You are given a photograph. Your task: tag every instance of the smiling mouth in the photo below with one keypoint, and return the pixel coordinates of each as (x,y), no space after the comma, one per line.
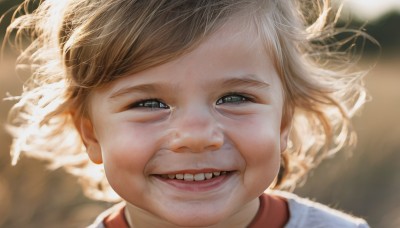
(194,177)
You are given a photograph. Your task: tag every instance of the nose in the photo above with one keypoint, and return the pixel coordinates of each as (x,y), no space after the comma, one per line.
(196,131)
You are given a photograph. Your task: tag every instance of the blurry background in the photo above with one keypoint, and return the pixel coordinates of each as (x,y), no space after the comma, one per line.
(366,184)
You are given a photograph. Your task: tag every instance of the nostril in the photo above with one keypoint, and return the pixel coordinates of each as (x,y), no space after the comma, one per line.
(215,142)
(194,129)
(196,141)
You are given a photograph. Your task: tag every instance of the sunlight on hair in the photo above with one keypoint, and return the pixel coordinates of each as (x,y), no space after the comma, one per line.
(78,46)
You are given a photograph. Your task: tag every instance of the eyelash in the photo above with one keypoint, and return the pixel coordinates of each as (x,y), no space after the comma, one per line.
(228,99)
(232,98)
(152,102)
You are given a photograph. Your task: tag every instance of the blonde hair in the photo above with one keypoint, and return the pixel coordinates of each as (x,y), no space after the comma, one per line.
(78,45)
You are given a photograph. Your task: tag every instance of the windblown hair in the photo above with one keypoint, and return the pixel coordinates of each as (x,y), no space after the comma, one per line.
(78,45)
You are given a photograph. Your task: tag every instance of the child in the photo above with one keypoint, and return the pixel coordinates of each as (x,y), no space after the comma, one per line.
(194,113)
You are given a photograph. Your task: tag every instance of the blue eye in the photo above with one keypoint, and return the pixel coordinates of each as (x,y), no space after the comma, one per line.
(232,99)
(151,103)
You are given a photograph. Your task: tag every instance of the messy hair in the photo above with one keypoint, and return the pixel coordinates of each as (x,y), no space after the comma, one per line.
(78,45)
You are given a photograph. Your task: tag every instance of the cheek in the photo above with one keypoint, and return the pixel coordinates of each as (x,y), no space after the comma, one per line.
(126,149)
(263,168)
(258,142)
(258,138)
(263,155)
(124,145)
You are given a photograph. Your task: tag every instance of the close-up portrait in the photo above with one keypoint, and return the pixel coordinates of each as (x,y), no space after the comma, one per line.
(199,113)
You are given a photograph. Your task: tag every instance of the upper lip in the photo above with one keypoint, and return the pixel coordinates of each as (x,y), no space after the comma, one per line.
(195,171)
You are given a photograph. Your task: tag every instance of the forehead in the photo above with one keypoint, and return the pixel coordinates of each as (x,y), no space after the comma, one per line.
(234,49)
(235,35)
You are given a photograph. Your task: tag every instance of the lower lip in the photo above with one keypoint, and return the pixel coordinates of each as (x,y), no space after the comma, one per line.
(197,186)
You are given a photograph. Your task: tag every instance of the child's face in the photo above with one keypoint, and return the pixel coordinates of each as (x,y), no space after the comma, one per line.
(215,110)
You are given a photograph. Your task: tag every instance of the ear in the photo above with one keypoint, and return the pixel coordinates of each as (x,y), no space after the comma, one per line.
(85,128)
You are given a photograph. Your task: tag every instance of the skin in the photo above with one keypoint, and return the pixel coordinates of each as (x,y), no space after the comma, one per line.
(218,107)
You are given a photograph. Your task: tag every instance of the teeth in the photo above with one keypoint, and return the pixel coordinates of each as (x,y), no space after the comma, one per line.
(193,177)
(199,177)
(208,176)
(188,177)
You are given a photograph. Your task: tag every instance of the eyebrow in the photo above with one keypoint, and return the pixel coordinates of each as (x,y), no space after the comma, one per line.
(144,88)
(248,80)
